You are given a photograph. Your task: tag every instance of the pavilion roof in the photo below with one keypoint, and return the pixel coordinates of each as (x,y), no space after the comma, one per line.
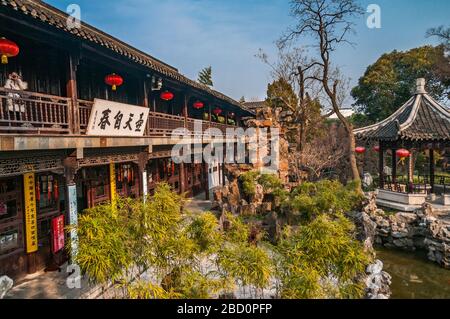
(52,16)
(421,118)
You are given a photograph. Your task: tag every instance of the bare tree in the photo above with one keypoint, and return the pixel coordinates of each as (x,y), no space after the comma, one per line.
(323,152)
(442,33)
(328,23)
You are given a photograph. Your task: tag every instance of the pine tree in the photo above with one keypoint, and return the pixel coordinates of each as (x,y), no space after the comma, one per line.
(205,76)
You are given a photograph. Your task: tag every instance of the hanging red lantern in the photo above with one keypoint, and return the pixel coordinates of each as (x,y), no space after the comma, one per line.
(217,111)
(402,153)
(114,80)
(167,96)
(8,49)
(360,150)
(198,105)
(376,148)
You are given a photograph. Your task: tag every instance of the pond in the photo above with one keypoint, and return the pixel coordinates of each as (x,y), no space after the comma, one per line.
(413,276)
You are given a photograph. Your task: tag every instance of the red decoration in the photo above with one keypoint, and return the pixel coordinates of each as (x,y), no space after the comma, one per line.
(38,191)
(8,49)
(360,150)
(217,111)
(114,80)
(55,190)
(58,233)
(376,148)
(198,105)
(167,96)
(402,153)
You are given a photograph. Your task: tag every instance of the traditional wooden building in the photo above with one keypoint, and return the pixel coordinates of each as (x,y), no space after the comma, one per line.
(85,117)
(420,125)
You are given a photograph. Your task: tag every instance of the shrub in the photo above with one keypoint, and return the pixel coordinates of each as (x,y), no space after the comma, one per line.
(321,260)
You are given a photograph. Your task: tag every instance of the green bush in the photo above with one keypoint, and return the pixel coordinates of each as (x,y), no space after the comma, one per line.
(311,199)
(321,260)
(248,180)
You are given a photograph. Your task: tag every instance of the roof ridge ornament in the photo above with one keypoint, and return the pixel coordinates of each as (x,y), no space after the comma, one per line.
(420,86)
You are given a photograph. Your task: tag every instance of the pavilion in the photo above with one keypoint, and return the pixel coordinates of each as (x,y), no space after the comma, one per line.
(421,124)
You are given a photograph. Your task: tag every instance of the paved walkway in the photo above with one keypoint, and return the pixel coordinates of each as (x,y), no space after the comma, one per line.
(50,285)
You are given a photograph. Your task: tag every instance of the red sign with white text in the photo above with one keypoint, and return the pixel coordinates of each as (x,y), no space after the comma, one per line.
(58,233)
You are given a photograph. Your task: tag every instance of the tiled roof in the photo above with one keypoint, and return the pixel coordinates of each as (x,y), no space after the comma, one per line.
(421,118)
(255,105)
(54,17)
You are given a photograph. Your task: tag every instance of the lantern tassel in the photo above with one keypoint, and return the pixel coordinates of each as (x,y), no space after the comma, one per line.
(4,59)
(114,87)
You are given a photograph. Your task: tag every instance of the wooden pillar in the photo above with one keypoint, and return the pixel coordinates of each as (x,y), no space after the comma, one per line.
(381,166)
(182,178)
(394,166)
(71,89)
(432,170)
(142,165)
(206,179)
(70,191)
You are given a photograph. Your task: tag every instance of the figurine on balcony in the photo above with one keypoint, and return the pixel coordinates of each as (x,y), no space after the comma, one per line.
(16,107)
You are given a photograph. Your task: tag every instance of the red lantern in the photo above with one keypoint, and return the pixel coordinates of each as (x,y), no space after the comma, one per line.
(8,49)
(360,150)
(376,148)
(114,80)
(167,96)
(198,105)
(402,153)
(217,111)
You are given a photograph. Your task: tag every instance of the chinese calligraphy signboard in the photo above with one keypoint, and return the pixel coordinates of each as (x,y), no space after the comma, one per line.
(117,119)
(58,233)
(30,212)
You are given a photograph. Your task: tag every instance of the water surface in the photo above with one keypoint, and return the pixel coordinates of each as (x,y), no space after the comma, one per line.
(413,276)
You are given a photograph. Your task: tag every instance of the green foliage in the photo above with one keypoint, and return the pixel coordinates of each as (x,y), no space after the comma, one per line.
(238,231)
(270,182)
(250,265)
(389,82)
(205,76)
(147,290)
(204,230)
(248,180)
(103,244)
(312,199)
(321,260)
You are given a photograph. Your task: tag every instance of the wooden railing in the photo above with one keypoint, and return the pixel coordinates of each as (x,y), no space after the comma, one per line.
(27,112)
(84,111)
(161,124)
(34,113)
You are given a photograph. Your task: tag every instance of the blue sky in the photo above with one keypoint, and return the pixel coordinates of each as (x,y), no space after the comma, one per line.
(226,34)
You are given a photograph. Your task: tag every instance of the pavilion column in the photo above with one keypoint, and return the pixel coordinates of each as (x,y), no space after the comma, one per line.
(182,177)
(432,170)
(381,166)
(394,166)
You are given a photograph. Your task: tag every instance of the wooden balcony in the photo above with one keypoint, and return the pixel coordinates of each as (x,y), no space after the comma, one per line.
(23,112)
(34,113)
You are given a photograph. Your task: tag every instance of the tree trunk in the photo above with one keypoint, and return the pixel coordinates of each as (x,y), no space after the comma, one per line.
(352,157)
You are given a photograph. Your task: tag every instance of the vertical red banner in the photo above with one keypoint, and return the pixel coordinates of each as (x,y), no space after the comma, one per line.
(58,233)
